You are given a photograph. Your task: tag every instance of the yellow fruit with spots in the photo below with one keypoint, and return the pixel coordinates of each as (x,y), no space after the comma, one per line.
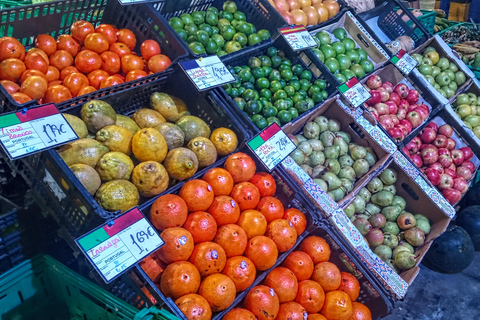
(97,114)
(117,195)
(193,127)
(86,151)
(114,165)
(77,125)
(116,138)
(150,178)
(181,163)
(127,123)
(204,150)
(172,108)
(225,141)
(148,144)
(147,118)
(87,176)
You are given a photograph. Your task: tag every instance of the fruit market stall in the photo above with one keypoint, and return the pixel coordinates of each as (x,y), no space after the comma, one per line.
(284,159)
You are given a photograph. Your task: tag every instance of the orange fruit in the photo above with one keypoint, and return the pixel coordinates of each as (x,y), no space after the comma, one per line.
(246,195)
(282,233)
(201,225)
(297,218)
(180,278)
(148,144)
(209,258)
(220,180)
(337,306)
(225,210)
(253,222)
(327,275)
(232,239)
(262,302)
(194,307)
(317,248)
(271,208)
(239,314)
(168,211)
(241,270)
(241,166)
(284,282)
(265,184)
(291,311)
(316,316)
(360,312)
(300,264)
(262,251)
(310,295)
(198,195)
(218,290)
(349,284)
(178,245)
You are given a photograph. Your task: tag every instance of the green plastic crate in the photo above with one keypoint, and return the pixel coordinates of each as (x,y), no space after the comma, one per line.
(42,288)
(4,4)
(427,19)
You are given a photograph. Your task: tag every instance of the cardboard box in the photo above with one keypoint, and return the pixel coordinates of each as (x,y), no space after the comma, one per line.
(332,109)
(444,51)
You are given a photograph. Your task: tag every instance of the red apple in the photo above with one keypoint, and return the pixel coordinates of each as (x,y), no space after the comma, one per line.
(401,114)
(451,144)
(414,118)
(392,107)
(375,98)
(411,107)
(386,121)
(460,184)
(403,104)
(452,195)
(412,96)
(429,154)
(440,141)
(442,151)
(402,90)
(433,125)
(384,94)
(374,82)
(445,161)
(423,111)
(469,165)
(450,172)
(382,109)
(395,120)
(396,134)
(446,130)
(467,153)
(458,156)
(414,145)
(464,172)
(373,111)
(427,135)
(417,160)
(407,125)
(394,97)
(404,130)
(433,175)
(446,181)
(436,166)
(406,152)
(388,86)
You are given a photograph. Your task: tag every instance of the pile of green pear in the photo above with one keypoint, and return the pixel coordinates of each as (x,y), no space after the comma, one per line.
(467,106)
(442,74)
(391,232)
(328,156)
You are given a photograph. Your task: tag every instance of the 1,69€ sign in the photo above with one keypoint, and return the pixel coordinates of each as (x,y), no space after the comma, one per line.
(207,72)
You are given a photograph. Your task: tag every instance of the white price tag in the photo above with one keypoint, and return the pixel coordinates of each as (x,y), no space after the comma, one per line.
(207,72)
(404,62)
(298,37)
(117,245)
(32,130)
(354,92)
(271,146)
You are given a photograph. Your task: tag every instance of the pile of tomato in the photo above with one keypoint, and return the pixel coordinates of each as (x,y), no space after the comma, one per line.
(75,64)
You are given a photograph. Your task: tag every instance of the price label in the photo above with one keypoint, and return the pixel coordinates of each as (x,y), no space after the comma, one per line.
(207,73)
(404,62)
(354,92)
(271,146)
(117,245)
(33,130)
(298,37)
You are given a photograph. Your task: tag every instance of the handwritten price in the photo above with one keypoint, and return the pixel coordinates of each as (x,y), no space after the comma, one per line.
(140,237)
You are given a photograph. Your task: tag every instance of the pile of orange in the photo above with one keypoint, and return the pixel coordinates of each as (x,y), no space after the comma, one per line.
(73,65)
(307,285)
(218,232)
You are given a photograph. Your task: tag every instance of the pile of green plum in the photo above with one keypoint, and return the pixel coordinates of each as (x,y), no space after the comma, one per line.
(270,89)
(342,57)
(217,32)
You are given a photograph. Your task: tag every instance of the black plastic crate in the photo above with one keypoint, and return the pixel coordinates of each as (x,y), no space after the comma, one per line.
(394,23)
(261,14)
(72,206)
(240,59)
(55,18)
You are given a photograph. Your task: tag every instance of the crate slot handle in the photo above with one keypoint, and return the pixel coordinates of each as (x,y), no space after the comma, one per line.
(361,38)
(410,191)
(357,130)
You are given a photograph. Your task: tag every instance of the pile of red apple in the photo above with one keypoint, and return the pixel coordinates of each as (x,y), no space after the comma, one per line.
(395,108)
(447,168)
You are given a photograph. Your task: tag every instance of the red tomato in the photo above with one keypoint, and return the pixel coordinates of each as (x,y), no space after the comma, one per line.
(75,82)
(46,43)
(110,81)
(120,49)
(149,48)
(34,87)
(159,63)
(96,77)
(68,43)
(54,83)
(57,94)
(128,37)
(37,62)
(10,86)
(131,62)
(97,42)
(52,74)
(110,62)
(11,48)
(86,61)
(32,72)
(81,29)
(85,90)
(39,51)
(67,71)
(109,31)
(135,74)
(61,59)
(20,97)
(12,69)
